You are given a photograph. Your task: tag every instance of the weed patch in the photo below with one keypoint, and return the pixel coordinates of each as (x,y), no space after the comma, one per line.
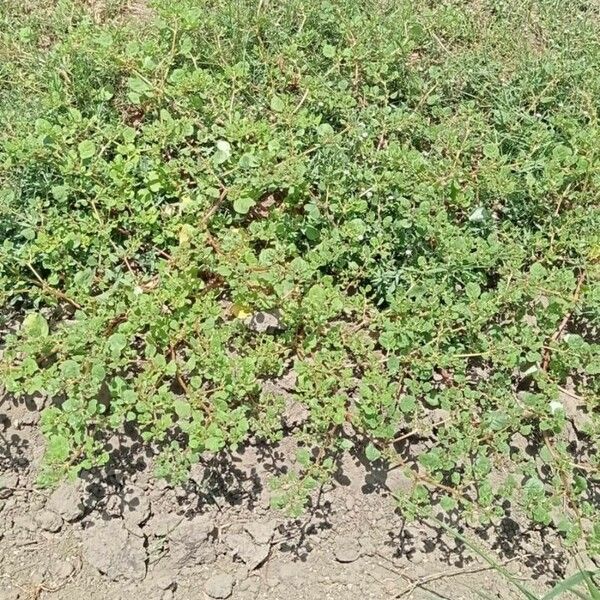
(396,203)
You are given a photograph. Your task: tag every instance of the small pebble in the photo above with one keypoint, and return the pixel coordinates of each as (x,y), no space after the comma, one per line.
(219,586)
(48,521)
(346,550)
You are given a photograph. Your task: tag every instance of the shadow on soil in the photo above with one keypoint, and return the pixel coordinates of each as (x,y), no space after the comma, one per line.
(241,480)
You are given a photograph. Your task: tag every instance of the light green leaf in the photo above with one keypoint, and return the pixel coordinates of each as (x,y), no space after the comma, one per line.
(182,409)
(213,444)
(325,129)
(372,453)
(58,448)
(303,457)
(98,372)
(116,343)
(472,290)
(87,149)
(447,503)
(70,369)
(243,204)
(222,152)
(328,50)
(138,85)
(277,104)
(35,325)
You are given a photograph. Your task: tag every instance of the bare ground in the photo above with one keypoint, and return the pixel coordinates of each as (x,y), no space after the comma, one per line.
(122,534)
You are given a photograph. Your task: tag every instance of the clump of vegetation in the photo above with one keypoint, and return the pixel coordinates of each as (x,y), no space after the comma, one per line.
(406,192)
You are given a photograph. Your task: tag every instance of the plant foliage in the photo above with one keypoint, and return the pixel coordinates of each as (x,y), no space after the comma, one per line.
(406,191)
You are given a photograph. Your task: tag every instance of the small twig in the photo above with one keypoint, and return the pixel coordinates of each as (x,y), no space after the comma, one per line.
(418,431)
(439,41)
(213,243)
(180,380)
(421,581)
(302,100)
(569,393)
(213,209)
(25,490)
(48,288)
(556,335)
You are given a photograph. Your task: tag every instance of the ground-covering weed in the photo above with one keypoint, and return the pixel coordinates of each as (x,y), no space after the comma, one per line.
(411,186)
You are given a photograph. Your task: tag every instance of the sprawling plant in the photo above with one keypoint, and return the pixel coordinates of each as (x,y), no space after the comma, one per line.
(395,204)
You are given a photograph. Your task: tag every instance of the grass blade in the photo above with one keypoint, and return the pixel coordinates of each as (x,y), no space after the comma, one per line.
(568,585)
(495,565)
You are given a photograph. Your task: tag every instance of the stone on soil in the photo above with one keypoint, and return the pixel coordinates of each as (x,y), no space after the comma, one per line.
(253,555)
(8,483)
(114,551)
(49,521)
(346,549)
(261,531)
(190,542)
(66,501)
(219,586)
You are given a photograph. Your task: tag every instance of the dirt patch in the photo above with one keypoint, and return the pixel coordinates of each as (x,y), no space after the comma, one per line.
(134,11)
(121,533)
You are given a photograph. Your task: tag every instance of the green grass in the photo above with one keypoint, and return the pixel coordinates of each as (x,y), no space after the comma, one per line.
(582,584)
(413,186)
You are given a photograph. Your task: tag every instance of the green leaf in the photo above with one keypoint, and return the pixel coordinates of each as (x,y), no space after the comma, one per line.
(214,444)
(138,85)
(497,420)
(182,409)
(303,457)
(222,152)
(491,150)
(538,271)
(248,161)
(35,325)
(87,149)
(58,448)
(325,129)
(593,367)
(534,487)
(116,343)
(448,503)
(243,204)
(70,369)
(277,104)
(407,404)
(472,290)
(346,444)
(98,372)
(328,50)
(372,453)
